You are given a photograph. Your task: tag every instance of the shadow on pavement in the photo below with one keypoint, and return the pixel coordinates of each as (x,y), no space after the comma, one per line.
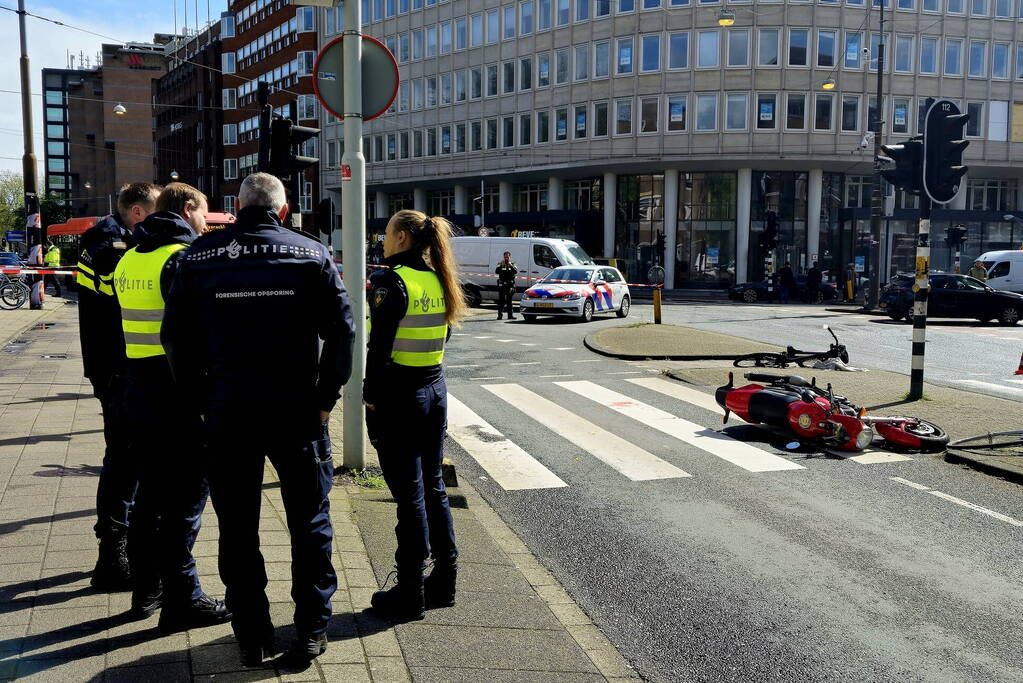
(63,396)
(82,470)
(44,438)
(11,600)
(16,524)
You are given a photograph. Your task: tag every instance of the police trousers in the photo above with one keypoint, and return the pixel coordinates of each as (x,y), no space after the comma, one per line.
(505,297)
(408,427)
(166,450)
(118,479)
(301,454)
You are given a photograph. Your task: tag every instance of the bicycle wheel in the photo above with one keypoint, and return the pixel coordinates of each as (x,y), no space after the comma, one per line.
(13,295)
(761,360)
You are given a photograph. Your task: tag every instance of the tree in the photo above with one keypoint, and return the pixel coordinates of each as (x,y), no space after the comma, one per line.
(12,198)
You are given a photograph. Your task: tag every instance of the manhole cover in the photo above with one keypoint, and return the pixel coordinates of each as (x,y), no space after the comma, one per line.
(43,326)
(54,356)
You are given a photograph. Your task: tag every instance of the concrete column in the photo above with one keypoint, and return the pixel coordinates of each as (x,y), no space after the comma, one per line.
(814,196)
(959,201)
(743,196)
(504,196)
(670,225)
(461,200)
(383,208)
(419,200)
(609,192)
(555,194)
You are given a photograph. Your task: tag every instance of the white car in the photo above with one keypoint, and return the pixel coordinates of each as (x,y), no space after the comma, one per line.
(578,291)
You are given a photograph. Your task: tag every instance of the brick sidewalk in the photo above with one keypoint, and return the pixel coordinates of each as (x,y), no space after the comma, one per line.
(513,621)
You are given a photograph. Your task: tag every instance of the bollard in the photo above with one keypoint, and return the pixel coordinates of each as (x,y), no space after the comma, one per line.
(657,305)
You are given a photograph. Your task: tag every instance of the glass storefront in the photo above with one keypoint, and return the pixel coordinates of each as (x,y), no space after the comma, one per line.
(640,220)
(782,194)
(705,233)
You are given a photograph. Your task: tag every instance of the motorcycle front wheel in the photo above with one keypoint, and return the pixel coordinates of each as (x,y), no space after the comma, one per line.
(913,434)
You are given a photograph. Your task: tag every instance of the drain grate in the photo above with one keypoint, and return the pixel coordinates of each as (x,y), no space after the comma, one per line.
(43,326)
(54,356)
(18,342)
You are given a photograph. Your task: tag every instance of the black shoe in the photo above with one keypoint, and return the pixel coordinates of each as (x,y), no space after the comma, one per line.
(511,317)
(203,611)
(145,603)
(307,648)
(500,317)
(404,601)
(255,650)
(439,586)
(112,573)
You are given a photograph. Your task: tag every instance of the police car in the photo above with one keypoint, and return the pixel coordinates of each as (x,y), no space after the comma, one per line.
(579,291)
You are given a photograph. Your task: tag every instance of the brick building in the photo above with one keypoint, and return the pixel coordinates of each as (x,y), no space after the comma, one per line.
(87,141)
(189,117)
(276,42)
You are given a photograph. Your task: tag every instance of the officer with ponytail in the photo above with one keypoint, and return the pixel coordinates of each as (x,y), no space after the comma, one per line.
(413,305)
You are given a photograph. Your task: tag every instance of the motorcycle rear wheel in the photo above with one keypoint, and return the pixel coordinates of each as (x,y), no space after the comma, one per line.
(919,435)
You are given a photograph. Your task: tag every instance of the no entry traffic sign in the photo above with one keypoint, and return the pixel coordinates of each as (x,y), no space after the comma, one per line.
(379,78)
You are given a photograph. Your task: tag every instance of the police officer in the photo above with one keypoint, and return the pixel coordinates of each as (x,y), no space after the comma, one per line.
(52,261)
(412,306)
(506,272)
(103,359)
(164,427)
(246,316)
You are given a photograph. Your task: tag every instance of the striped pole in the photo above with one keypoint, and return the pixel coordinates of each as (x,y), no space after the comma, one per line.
(921,288)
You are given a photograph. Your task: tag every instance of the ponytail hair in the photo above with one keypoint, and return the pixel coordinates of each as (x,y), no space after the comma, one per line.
(431,236)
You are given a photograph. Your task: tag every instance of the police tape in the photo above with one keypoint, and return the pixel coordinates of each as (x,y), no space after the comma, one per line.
(36,271)
(544,280)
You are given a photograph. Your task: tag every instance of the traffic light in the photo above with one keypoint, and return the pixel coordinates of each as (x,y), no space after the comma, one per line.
(943,153)
(908,159)
(955,235)
(769,237)
(284,138)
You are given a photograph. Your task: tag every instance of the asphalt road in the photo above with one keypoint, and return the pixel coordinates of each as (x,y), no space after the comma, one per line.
(965,354)
(837,570)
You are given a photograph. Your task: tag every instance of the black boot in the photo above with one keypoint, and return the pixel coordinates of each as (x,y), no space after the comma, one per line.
(145,602)
(307,648)
(439,586)
(203,611)
(112,573)
(256,647)
(404,601)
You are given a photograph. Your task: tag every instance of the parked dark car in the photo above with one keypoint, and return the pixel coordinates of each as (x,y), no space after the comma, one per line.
(952,296)
(752,292)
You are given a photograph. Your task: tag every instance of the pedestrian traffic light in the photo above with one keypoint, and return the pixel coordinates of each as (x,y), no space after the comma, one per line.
(943,151)
(907,170)
(284,138)
(955,235)
(769,237)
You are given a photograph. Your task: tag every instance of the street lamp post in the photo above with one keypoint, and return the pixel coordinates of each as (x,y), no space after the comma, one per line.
(33,224)
(877,197)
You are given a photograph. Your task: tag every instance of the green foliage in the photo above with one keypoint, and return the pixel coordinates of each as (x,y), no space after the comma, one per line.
(12,191)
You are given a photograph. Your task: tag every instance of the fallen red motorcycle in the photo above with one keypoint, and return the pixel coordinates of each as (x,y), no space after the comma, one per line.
(790,402)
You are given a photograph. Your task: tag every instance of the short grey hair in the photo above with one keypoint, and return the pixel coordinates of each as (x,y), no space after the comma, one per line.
(262,189)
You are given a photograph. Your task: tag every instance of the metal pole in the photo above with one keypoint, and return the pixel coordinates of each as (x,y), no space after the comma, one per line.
(263,98)
(877,198)
(921,288)
(33,225)
(297,177)
(483,205)
(353,231)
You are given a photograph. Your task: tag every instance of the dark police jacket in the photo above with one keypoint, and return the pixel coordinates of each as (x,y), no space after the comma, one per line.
(388,301)
(245,318)
(99,316)
(506,274)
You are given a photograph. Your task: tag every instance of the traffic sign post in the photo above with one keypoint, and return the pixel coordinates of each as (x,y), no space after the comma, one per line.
(355,80)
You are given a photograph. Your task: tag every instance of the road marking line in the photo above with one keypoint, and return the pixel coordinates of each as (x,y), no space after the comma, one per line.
(510,466)
(459,334)
(524,344)
(1018,381)
(625,457)
(461,366)
(561,348)
(533,362)
(625,372)
(482,337)
(484,378)
(959,501)
(877,457)
(679,391)
(991,385)
(550,376)
(594,360)
(721,445)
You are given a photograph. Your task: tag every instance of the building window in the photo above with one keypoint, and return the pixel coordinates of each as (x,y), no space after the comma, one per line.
(798,42)
(531,197)
(461,37)
(526,18)
(226,30)
(509,77)
(678,50)
(403,146)
(796,112)
(230,134)
(561,66)
(767,48)
(826,41)
(564,12)
(417,93)
(460,90)
(491,133)
(543,127)
(991,195)
(417,143)
(624,56)
(441,203)
(1000,60)
(651,53)
(904,54)
(229,98)
(230,169)
(928,55)
(560,125)
(476,26)
(526,73)
(766,111)
(306,59)
(853,42)
(738,48)
(307,107)
(706,112)
(476,133)
(900,115)
(649,114)
(509,22)
(227,62)
(581,127)
(582,10)
(392,147)
(582,62)
(445,89)
(600,119)
(602,8)
(229,205)
(676,113)
(525,129)
(543,70)
(736,109)
(857,191)
(978,59)
(306,19)
(824,105)
(493,26)
(953,57)
(623,116)
(417,44)
(601,59)
(508,131)
(431,91)
(445,38)
(850,113)
(582,195)
(707,49)
(431,41)
(975,124)
(492,80)
(431,142)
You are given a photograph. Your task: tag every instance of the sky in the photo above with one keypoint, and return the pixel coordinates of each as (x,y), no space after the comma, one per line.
(48,47)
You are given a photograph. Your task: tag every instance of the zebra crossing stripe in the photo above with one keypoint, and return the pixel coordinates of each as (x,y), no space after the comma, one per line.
(679,391)
(510,466)
(721,445)
(632,461)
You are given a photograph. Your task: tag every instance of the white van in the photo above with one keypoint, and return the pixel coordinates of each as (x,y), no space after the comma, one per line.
(477,257)
(1004,270)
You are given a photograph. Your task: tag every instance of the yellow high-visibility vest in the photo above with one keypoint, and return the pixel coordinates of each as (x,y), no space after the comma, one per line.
(52,257)
(421,333)
(137,283)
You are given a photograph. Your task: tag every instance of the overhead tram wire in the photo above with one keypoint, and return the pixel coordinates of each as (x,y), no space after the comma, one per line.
(144,104)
